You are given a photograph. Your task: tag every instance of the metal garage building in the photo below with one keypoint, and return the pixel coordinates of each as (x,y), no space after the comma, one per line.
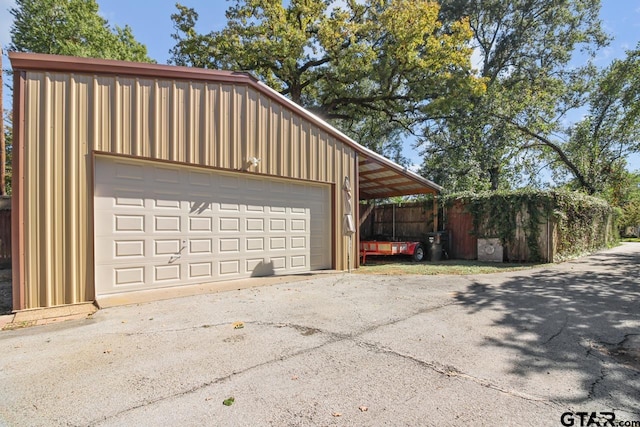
(131,177)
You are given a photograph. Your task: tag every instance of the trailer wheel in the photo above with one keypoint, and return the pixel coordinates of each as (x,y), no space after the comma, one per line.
(418,253)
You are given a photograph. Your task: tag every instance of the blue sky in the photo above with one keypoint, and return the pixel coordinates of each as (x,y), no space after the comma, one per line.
(151,24)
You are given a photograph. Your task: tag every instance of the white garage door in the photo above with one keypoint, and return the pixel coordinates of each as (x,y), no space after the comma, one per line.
(159,225)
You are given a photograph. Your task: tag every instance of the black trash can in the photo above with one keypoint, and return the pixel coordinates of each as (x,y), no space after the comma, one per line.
(435,245)
(435,250)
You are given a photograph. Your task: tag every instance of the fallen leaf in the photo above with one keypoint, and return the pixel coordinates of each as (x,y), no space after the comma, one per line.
(229,401)
(363,408)
(238,325)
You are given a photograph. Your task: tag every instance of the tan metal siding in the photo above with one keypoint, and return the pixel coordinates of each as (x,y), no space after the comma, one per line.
(68,116)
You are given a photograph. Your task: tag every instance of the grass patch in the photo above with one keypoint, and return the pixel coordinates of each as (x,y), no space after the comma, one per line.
(399,266)
(631,239)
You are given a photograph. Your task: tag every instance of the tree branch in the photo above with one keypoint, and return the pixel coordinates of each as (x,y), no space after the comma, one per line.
(584,183)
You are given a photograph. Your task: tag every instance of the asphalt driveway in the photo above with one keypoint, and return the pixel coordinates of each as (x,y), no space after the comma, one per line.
(517,348)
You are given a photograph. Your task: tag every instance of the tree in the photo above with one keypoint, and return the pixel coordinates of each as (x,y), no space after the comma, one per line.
(600,143)
(523,50)
(71,27)
(375,67)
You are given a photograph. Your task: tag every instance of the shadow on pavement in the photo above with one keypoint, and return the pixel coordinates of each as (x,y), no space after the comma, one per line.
(578,317)
(6,302)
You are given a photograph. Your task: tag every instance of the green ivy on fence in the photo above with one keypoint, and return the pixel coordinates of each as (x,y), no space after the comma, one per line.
(584,223)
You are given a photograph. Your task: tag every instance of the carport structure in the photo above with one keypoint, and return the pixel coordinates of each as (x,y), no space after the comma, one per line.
(131,177)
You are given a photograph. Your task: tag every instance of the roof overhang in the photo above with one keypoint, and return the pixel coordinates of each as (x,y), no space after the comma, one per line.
(379,177)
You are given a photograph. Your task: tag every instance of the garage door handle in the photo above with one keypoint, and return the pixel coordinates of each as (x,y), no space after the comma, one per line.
(177,256)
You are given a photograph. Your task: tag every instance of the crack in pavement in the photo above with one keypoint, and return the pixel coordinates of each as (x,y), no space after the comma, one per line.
(452,371)
(335,337)
(163,331)
(209,383)
(562,328)
(594,384)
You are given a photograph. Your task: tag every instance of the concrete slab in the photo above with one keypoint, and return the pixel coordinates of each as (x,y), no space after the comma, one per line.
(503,349)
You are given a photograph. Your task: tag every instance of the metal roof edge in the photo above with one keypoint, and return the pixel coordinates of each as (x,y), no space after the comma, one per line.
(45,62)
(349,141)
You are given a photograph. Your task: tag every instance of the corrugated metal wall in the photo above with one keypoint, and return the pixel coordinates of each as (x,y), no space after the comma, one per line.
(68,116)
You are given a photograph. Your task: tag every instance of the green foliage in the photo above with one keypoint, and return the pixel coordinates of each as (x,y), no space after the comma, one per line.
(523,49)
(7,128)
(627,199)
(71,27)
(599,144)
(374,67)
(584,223)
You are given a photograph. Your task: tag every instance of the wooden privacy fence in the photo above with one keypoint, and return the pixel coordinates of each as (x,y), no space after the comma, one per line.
(5,231)
(414,222)
(406,221)
(459,222)
(563,225)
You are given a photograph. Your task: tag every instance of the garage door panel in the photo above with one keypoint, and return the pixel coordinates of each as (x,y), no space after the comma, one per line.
(298,243)
(166,247)
(298,225)
(229,207)
(166,201)
(278,263)
(254,207)
(128,198)
(229,224)
(200,206)
(167,272)
(229,267)
(129,248)
(198,224)
(229,245)
(254,244)
(172,225)
(166,175)
(299,261)
(203,246)
(277,243)
(201,270)
(201,179)
(165,223)
(277,209)
(128,223)
(254,225)
(277,225)
(128,171)
(229,182)
(129,275)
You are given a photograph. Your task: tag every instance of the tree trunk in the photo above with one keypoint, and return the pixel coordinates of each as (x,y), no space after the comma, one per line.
(494,178)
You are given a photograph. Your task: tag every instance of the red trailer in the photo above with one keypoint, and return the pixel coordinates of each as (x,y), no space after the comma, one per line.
(374,247)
